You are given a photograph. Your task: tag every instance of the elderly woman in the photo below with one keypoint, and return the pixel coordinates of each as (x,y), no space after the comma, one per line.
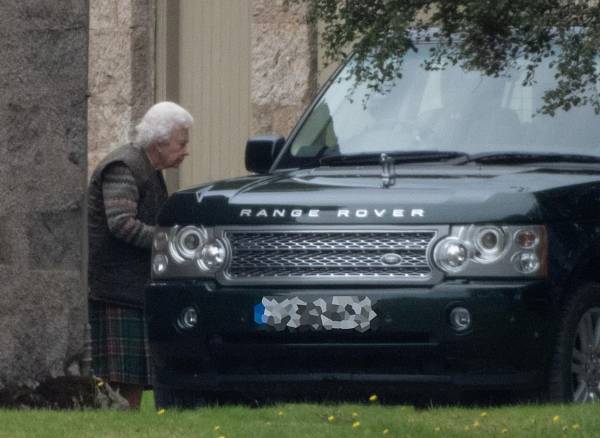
(125,194)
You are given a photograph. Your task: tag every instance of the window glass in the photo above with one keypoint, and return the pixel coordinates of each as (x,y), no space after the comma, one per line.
(441,110)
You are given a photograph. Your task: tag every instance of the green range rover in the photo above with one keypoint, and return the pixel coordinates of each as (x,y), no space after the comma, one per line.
(443,235)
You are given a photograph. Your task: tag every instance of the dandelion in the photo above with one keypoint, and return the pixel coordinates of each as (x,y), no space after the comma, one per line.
(505,430)
(483,414)
(373,398)
(386,431)
(161,412)
(356,424)
(221,436)
(355,414)
(556,419)
(467,428)
(100,384)
(576,426)
(280,413)
(476,424)
(331,418)
(216,428)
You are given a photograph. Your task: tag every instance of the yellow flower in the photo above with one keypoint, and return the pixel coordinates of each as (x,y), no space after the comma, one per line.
(355,414)
(373,398)
(331,418)
(356,424)
(483,414)
(556,419)
(476,423)
(280,413)
(576,426)
(467,428)
(505,430)
(221,436)
(161,412)
(386,431)
(216,428)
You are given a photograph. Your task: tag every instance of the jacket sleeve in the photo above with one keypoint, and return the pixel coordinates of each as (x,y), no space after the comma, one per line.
(120,196)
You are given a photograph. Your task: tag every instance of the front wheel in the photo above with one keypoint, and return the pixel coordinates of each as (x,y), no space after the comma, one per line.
(575,374)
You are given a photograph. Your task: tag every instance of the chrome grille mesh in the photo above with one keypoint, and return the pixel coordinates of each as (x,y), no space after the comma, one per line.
(314,255)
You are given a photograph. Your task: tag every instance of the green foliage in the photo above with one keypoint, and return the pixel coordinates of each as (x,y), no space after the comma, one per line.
(485,35)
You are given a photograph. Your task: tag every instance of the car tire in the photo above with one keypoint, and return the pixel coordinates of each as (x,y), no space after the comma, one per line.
(166,397)
(575,370)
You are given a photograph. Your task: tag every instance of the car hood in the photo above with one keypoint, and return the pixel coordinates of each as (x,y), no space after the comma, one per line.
(418,195)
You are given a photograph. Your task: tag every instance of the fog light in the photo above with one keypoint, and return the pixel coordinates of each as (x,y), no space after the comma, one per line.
(159,264)
(526,262)
(460,319)
(188,318)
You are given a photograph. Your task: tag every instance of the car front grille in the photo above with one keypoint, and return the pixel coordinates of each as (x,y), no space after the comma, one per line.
(301,256)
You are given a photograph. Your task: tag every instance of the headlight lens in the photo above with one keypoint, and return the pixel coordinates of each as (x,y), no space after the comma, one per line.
(526,262)
(160,242)
(493,251)
(451,254)
(526,239)
(212,257)
(159,264)
(489,243)
(187,242)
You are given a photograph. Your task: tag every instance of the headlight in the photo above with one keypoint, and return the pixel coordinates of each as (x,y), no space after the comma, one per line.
(526,262)
(489,243)
(187,242)
(493,251)
(159,264)
(212,257)
(190,251)
(451,254)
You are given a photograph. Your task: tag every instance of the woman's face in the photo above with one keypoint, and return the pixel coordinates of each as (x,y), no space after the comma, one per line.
(174,152)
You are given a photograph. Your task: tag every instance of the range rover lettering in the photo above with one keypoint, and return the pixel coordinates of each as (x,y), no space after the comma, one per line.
(442,234)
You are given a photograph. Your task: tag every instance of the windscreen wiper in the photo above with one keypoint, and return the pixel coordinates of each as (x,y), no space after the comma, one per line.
(527,157)
(395,157)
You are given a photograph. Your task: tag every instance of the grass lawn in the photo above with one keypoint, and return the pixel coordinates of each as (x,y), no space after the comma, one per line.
(308,420)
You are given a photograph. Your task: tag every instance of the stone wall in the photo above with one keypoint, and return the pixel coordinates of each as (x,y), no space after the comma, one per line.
(121,72)
(283,65)
(43,85)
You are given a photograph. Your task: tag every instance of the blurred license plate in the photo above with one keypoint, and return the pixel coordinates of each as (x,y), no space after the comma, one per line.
(327,313)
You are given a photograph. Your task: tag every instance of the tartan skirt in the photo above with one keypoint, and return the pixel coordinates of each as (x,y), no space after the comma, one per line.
(119,343)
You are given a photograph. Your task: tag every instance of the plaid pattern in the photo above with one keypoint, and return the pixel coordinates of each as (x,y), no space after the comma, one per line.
(119,343)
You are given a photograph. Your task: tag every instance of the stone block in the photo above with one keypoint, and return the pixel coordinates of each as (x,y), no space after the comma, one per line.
(110,67)
(282,68)
(278,12)
(55,240)
(103,14)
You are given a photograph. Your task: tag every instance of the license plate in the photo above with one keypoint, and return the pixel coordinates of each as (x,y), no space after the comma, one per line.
(328,313)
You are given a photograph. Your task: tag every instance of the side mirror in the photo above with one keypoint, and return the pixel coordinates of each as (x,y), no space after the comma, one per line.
(261,152)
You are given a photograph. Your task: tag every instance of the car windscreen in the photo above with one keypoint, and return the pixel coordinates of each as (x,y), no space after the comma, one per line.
(441,110)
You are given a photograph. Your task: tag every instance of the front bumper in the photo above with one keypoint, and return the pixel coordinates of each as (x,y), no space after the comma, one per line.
(409,344)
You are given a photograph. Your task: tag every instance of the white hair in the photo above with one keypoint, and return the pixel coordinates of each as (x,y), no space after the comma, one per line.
(159,122)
